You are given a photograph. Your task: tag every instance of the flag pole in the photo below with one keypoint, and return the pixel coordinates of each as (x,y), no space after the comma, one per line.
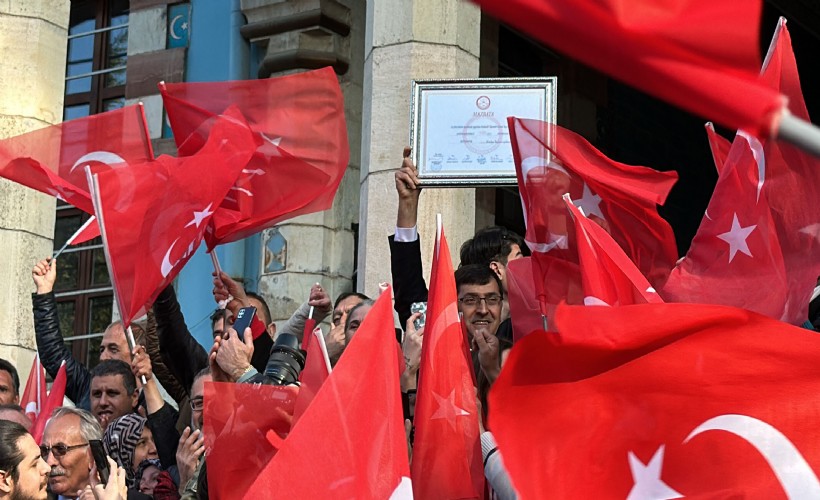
(73,237)
(800,133)
(94,190)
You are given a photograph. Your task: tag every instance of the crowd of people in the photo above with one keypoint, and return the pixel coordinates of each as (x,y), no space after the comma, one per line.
(155,447)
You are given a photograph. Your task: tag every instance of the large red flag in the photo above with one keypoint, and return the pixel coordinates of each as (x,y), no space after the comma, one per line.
(700,55)
(301,145)
(551,161)
(446,451)
(661,401)
(756,244)
(153,215)
(350,443)
(243,426)
(52,160)
(34,397)
(607,275)
(54,401)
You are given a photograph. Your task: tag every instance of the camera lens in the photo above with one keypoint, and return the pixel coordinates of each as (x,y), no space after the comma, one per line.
(286,361)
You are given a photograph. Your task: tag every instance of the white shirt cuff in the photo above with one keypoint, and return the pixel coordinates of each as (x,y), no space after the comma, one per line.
(406,234)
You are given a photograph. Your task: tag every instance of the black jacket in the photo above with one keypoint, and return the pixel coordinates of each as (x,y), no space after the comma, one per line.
(180,351)
(408,276)
(52,350)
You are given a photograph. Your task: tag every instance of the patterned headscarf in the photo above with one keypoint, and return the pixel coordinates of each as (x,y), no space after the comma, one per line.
(120,440)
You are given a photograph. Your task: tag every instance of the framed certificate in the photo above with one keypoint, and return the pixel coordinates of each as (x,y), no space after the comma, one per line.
(458,128)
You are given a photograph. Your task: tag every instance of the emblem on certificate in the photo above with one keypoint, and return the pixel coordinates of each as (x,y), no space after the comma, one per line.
(458,128)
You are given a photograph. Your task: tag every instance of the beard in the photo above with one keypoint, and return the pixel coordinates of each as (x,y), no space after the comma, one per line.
(19,494)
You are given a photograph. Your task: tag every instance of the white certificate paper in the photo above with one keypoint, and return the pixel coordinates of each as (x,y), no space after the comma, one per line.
(460,134)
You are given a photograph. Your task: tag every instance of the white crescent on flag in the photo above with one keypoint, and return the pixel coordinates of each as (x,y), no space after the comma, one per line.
(106,157)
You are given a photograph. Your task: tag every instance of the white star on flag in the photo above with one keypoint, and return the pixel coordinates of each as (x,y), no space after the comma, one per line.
(270,147)
(589,203)
(812,230)
(736,238)
(200,216)
(648,482)
(447,409)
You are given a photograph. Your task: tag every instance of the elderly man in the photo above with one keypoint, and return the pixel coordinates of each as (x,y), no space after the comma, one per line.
(66,450)
(52,348)
(23,472)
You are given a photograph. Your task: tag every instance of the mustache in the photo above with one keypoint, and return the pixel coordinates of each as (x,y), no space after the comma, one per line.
(56,472)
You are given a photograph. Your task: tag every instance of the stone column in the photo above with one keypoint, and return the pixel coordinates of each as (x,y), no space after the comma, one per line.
(32,78)
(293,36)
(409,40)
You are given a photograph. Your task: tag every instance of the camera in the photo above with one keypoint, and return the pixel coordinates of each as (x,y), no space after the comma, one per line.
(285,363)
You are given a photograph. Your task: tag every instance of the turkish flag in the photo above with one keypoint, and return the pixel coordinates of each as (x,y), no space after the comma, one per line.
(350,442)
(756,244)
(34,396)
(243,426)
(52,160)
(551,161)
(700,55)
(317,368)
(301,148)
(153,215)
(446,450)
(661,401)
(718,145)
(608,276)
(54,401)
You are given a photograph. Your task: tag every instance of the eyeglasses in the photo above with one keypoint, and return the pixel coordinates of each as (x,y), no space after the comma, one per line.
(474,300)
(58,449)
(197,404)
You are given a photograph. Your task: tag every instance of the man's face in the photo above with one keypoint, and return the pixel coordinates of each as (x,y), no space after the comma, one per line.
(114,345)
(16,416)
(7,393)
(355,320)
(260,311)
(344,305)
(218,326)
(501,269)
(32,473)
(480,315)
(145,448)
(109,399)
(197,393)
(71,471)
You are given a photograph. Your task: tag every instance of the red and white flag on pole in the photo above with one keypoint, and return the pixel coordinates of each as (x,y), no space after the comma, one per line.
(552,161)
(52,160)
(756,244)
(350,442)
(718,145)
(608,277)
(446,449)
(661,401)
(700,55)
(52,402)
(153,215)
(34,396)
(301,147)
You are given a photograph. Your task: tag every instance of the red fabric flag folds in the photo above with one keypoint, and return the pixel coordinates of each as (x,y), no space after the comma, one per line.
(317,368)
(54,401)
(350,442)
(446,451)
(700,55)
(661,401)
(52,160)
(34,396)
(153,215)
(757,242)
(622,199)
(301,149)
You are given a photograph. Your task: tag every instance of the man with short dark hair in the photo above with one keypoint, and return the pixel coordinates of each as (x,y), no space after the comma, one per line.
(113,391)
(51,346)
(23,472)
(9,383)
